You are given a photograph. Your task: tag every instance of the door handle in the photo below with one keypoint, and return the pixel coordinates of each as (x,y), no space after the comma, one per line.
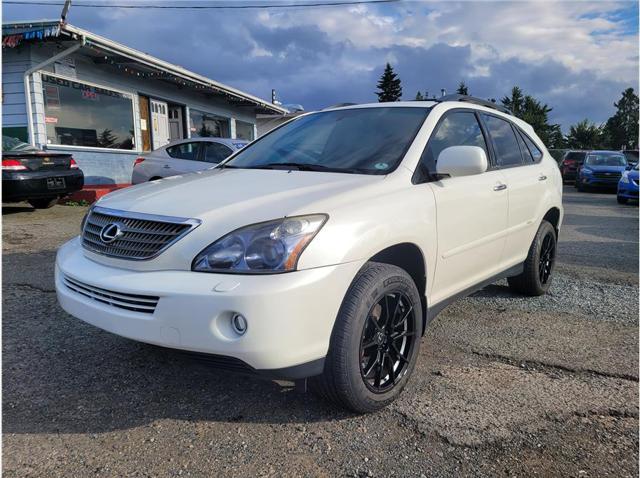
(500,187)
(542,177)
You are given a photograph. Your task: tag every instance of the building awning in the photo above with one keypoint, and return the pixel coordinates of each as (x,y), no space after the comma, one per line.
(129,61)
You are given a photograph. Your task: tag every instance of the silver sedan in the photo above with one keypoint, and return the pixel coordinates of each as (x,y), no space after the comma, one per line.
(184,156)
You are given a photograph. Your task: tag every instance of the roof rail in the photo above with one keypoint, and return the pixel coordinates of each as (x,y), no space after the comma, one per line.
(339,105)
(475,101)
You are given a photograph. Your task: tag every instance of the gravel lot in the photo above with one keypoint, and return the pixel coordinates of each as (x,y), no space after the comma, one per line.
(504,385)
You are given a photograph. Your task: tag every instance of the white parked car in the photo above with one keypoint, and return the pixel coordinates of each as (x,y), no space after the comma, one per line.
(322,250)
(184,156)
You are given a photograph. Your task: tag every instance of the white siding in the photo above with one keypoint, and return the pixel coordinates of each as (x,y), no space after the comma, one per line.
(14,64)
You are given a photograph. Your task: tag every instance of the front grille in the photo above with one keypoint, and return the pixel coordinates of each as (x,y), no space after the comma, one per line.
(137,303)
(139,236)
(607,176)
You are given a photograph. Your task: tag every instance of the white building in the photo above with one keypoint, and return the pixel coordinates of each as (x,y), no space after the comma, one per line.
(67,89)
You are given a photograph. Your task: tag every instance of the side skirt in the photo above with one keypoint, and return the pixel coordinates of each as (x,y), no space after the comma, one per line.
(435,309)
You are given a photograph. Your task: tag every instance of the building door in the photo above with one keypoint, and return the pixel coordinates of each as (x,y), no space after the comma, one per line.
(175,123)
(145,122)
(160,123)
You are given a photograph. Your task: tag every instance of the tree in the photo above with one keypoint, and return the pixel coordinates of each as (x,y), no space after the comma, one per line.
(621,130)
(462,89)
(107,139)
(515,102)
(389,86)
(529,109)
(419,97)
(585,135)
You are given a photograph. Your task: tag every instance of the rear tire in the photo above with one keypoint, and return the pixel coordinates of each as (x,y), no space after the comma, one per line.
(622,200)
(43,203)
(535,279)
(373,349)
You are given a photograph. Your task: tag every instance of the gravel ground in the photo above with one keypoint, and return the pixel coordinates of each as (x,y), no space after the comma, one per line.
(504,385)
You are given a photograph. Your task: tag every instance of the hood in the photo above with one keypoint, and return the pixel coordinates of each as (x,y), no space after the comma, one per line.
(249,195)
(633,174)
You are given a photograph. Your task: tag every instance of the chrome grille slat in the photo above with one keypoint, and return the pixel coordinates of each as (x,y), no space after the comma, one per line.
(134,302)
(144,236)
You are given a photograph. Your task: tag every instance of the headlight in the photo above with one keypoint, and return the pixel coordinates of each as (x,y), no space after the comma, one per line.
(587,170)
(625,177)
(273,246)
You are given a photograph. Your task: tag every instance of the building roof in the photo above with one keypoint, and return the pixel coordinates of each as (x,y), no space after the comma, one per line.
(123,57)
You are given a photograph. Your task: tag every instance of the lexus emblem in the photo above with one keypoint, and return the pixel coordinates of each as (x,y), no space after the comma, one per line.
(111,232)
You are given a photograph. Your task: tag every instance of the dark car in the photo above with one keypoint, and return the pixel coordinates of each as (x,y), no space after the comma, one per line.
(601,169)
(632,156)
(571,162)
(39,177)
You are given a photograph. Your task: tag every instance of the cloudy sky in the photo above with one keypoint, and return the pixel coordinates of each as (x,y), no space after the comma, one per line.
(577,56)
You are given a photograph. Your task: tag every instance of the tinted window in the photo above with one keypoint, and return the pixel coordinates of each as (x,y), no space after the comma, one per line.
(575,156)
(456,129)
(361,140)
(526,154)
(504,141)
(78,114)
(184,151)
(215,152)
(535,152)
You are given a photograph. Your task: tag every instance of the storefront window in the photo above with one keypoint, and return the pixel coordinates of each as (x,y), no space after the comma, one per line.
(208,125)
(244,130)
(77,114)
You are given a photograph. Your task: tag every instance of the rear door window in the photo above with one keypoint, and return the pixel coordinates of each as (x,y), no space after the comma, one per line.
(216,152)
(504,140)
(184,151)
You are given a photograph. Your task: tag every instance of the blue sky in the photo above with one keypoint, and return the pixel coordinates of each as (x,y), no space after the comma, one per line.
(576,56)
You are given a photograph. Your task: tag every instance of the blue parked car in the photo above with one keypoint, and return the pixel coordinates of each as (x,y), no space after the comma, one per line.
(601,169)
(628,185)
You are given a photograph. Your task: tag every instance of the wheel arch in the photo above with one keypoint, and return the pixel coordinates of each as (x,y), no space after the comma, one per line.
(553,216)
(409,257)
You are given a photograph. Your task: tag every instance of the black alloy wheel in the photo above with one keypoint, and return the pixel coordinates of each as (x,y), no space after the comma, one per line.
(388,336)
(547,256)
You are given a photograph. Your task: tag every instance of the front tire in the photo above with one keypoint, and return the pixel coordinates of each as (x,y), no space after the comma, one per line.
(375,340)
(535,279)
(43,203)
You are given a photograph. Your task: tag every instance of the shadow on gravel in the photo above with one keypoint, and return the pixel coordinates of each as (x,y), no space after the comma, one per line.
(61,375)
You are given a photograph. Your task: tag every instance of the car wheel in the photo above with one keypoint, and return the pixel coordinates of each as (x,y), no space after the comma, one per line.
(375,340)
(535,279)
(43,203)
(622,199)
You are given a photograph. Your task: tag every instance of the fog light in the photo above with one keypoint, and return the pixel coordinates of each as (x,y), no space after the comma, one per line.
(239,324)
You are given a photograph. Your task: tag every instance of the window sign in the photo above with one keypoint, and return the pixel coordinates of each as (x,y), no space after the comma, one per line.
(77,114)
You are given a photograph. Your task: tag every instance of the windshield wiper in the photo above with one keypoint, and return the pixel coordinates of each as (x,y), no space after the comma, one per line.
(310,167)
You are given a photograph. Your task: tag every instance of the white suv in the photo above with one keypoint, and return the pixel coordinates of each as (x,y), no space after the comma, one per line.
(322,250)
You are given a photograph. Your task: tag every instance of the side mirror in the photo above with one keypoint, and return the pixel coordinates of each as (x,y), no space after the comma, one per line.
(461,161)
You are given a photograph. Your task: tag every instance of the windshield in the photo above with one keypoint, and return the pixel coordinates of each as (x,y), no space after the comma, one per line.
(14,144)
(605,159)
(362,140)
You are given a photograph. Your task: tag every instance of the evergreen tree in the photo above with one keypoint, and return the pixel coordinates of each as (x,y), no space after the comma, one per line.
(529,109)
(419,97)
(107,139)
(585,135)
(389,87)
(462,89)
(515,102)
(621,130)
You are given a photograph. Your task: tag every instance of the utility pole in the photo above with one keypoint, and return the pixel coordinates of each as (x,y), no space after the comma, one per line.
(65,10)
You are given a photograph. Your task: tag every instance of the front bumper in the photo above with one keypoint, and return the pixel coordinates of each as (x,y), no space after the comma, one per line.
(23,185)
(599,182)
(290,316)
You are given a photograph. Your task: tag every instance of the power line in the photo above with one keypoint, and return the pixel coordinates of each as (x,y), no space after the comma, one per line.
(204,7)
